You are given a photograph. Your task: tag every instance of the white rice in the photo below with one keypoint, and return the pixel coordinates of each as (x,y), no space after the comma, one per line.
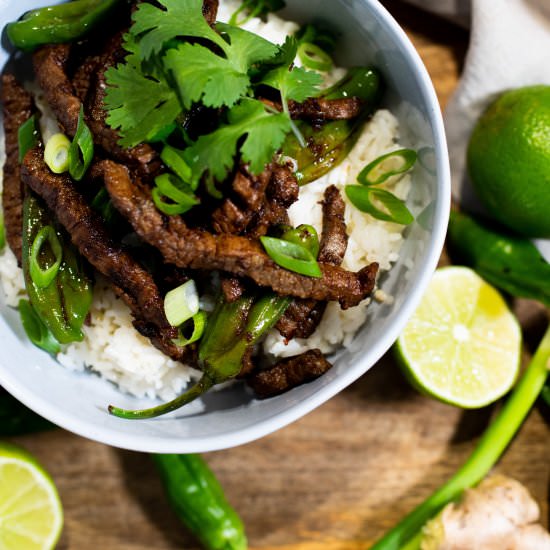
(116,351)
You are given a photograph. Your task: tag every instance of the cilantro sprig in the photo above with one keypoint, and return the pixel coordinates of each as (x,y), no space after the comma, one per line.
(177,60)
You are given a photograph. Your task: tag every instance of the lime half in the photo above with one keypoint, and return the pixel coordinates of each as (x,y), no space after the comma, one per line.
(462,345)
(31,516)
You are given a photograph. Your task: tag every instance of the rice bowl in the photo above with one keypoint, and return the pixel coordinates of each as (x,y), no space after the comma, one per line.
(137,370)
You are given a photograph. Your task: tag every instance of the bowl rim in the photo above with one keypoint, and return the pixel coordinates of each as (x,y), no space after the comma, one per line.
(192,444)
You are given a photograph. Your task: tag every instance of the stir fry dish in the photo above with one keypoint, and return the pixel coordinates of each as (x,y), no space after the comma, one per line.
(180,146)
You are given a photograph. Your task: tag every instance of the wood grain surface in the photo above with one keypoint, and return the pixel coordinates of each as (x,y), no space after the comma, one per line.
(336,479)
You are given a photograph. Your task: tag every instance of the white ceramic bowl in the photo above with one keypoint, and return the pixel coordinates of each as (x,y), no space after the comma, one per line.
(231,417)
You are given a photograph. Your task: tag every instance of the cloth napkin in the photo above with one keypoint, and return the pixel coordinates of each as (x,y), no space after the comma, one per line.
(509,48)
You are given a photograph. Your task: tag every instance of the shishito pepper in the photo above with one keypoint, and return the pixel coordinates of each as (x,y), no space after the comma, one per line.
(199,501)
(329,145)
(232,329)
(63,304)
(508,262)
(58,24)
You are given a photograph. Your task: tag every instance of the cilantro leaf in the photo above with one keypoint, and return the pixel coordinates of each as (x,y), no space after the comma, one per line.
(200,74)
(138,105)
(264,132)
(294,83)
(155,26)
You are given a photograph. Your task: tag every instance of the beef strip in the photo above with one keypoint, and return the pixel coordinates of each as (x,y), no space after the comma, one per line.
(319,110)
(232,288)
(199,249)
(303,316)
(289,373)
(51,66)
(131,281)
(18,107)
(210,10)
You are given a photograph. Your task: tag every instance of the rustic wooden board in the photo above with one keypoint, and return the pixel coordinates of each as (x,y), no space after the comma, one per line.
(338,478)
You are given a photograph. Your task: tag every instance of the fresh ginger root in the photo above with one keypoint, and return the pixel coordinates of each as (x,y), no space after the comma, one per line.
(499,514)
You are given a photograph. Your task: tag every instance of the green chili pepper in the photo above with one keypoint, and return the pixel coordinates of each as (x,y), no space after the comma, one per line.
(391,208)
(304,235)
(58,24)
(198,499)
(385,166)
(28,136)
(232,329)
(81,150)
(508,262)
(319,34)
(37,332)
(16,419)
(329,146)
(63,304)
(291,256)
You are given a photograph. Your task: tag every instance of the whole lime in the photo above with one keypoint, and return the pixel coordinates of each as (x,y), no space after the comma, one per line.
(509,160)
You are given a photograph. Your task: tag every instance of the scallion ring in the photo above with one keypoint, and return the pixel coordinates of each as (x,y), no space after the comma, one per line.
(43,277)
(81,151)
(199,324)
(291,256)
(173,158)
(385,166)
(36,330)
(28,136)
(380,204)
(170,187)
(181,303)
(314,57)
(56,153)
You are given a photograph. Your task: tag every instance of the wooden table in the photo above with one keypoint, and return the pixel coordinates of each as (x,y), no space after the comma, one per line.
(336,479)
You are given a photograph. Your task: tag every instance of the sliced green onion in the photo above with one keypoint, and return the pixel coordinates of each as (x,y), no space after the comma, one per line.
(56,153)
(313,57)
(81,151)
(170,187)
(385,166)
(291,256)
(394,209)
(199,324)
(28,136)
(181,303)
(2,231)
(44,277)
(304,235)
(36,330)
(173,158)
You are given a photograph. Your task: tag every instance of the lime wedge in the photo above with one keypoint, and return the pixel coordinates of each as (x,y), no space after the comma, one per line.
(31,516)
(462,345)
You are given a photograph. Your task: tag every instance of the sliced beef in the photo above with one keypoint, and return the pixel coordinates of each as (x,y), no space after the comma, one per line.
(283,187)
(289,373)
(232,288)
(51,65)
(247,197)
(18,107)
(131,281)
(210,10)
(245,257)
(303,316)
(83,76)
(319,110)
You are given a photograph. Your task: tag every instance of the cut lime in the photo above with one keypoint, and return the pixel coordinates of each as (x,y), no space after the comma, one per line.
(462,345)
(31,516)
